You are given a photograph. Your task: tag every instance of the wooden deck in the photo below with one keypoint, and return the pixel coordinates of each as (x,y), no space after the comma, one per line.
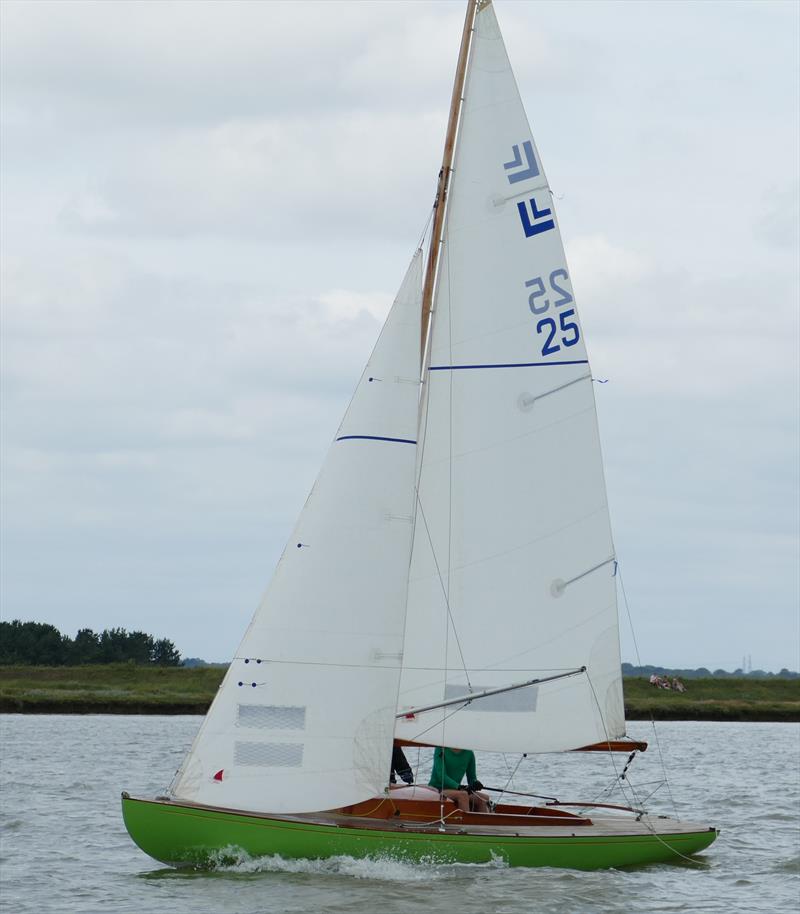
(605,826)
(424,816)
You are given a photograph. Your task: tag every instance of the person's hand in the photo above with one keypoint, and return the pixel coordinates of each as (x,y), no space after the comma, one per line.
(476,785)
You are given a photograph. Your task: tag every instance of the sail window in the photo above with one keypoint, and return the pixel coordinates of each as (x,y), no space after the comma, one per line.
(271,717)
(278,755)
(519,700)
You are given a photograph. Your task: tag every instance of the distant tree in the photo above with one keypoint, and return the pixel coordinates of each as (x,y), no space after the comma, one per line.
(112,645)
(85,648)
(165,653)
(702,672)
(32,642)
(190,662)
(118,646)
(43,644)
(139,647)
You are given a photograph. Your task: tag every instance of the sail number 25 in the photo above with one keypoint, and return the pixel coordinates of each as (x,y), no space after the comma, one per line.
(540,303)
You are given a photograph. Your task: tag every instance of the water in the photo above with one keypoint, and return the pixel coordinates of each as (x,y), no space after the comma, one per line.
(64,847)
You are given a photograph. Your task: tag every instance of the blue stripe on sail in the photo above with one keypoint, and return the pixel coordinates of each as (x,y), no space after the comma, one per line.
(508,365)
(376,438)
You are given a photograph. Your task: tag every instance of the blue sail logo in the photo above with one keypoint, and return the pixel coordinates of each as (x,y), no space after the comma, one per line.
(531,169)
(533,219)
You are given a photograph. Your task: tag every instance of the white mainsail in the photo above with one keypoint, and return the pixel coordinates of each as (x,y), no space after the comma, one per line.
(304,717)
(512,573)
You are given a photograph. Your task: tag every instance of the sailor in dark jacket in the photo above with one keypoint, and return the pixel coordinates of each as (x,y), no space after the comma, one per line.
(400,766)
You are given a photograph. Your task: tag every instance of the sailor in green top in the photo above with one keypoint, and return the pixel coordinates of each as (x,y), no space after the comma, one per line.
(449,768)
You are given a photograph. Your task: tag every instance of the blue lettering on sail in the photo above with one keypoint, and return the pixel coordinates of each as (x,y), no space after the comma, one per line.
(533,219)
(532,169)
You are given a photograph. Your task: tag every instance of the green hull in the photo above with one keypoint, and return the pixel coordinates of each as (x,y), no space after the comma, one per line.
(188,835)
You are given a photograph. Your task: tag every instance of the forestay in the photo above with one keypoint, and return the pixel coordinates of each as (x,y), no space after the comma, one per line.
(304,717)
(512,573)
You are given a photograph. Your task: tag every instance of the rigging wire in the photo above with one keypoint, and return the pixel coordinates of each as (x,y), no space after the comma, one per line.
(618,780)
(446,600)
(642,816)
(436,723)
(654,791)
(639,663)
(445,589)
(446,245)
(426,227)
(511,774)
(449,619)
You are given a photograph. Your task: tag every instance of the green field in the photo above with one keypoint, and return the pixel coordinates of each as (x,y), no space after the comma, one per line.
(117,688)
(715,699)
(130,689)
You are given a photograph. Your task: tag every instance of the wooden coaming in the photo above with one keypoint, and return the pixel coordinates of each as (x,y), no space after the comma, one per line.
(421,811)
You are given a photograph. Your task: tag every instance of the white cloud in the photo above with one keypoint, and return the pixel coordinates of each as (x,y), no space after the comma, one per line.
(344,305)
(779,224)
(352,175)
(207,209)
(603,266)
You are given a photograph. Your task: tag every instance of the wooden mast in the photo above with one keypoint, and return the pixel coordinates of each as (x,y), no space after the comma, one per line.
(444,174)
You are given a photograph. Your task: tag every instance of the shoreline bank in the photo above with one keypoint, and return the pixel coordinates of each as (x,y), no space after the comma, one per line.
(703,712)
(131,689)
(743,715)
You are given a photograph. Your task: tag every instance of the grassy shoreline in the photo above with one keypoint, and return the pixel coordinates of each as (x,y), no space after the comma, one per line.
(130,689)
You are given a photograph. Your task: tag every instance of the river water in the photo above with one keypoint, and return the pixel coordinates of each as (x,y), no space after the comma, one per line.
(64,847)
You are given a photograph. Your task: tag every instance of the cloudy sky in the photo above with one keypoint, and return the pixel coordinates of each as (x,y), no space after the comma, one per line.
(207,209)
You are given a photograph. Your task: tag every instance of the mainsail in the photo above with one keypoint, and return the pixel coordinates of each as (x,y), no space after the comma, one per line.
(304,717)
(512,574)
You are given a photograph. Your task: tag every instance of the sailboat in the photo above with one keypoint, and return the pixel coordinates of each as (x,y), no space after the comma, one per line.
(451,578)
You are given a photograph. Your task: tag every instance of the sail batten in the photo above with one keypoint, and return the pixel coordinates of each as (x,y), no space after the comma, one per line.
(509,365)
(376,438)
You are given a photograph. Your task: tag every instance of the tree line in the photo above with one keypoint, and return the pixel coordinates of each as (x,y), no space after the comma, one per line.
(41,644)
(628,669)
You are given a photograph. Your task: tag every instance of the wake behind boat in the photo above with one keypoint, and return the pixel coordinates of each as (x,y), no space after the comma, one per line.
(451,578)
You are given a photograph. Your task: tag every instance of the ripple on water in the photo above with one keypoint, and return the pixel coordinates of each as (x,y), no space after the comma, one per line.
(790,865)
(66,848)
(774,817)
(11,825)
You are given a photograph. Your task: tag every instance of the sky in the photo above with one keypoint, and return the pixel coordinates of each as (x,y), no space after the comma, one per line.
(207,209)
